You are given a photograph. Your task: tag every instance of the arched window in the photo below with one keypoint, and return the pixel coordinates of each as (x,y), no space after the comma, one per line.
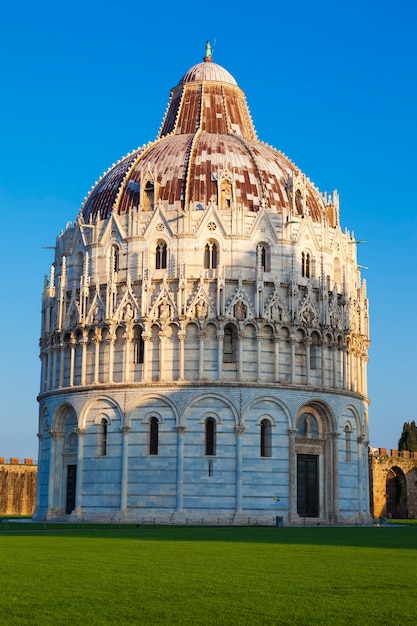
(153,435)
(263,257)
(161,256)
(114,259)
(348,442)
(210,436)
(229,344)
(305,265)
(266,438)
(225,194)
(315,352)
(138,346)
(148,196)
(210,255)
(79,264)
(103,431)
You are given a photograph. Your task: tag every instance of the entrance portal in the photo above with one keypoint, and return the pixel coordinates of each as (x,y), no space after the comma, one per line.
(71,480)
(307,485)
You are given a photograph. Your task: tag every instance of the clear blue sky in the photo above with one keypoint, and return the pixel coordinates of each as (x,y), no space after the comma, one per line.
(330,84)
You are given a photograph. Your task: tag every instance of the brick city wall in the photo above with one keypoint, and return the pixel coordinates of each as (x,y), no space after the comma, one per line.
(393,483)
(17,486)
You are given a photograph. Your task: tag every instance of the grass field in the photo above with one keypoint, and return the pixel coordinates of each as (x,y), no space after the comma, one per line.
(207,575)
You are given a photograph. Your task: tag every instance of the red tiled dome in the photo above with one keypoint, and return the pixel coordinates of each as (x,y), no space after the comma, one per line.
(207,130)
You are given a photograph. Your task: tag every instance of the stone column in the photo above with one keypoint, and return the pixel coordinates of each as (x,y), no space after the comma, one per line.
(201,337)
(292,477)
(54,366)
(125,470)
(240,338)
(334,364)
(307,343)
(181,337)
(365,379)
(83,359)
(220,339)
(97,342)
(162,338)
(48,369)
(55,474)
(292,348)
(128,336)
(79,475)
(276,362)
(111,341)
(52,472)
(350,369)
(61,364)
(180,469)
(334,513)
(259,337)
(146,351)
(344,369)
(38,491)
(43,369)
(239,467)
(72,360)
(363,481)
(323,363)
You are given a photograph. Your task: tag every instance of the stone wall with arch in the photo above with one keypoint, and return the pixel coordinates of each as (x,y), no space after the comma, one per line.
(393,483)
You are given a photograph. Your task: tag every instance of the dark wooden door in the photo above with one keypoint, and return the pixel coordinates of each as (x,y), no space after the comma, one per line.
(71,480)
(307,485)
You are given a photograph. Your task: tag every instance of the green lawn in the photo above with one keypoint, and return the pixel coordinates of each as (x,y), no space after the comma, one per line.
(207,575)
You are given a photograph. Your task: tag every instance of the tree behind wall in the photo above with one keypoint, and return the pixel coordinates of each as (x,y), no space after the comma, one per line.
(408,439)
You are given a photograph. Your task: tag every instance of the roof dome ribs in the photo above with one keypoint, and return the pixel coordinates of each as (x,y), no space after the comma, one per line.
(207,127)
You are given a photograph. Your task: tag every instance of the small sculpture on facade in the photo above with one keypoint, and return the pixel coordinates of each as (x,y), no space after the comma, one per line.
(201,309)
(164,311)
(240,310)
(128,314)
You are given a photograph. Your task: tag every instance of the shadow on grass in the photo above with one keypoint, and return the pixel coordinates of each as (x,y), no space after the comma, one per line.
(390,536)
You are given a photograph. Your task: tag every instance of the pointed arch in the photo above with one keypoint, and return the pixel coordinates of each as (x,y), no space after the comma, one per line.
(211,255)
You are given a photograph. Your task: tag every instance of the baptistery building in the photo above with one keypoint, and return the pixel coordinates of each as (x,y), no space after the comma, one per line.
(204,334)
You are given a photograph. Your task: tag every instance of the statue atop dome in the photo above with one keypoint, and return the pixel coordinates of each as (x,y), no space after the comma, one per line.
(208,56)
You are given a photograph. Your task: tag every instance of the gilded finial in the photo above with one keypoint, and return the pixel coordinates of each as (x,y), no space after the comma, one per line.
(208,56)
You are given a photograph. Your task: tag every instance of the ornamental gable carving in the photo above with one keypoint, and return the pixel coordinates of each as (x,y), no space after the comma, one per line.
(164,308)
(308,313)
(97,311)
(128,309)
(200,306)
(239,305)
(276,308)
(73,314)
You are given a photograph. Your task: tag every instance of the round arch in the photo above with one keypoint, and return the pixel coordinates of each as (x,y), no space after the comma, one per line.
(89,405)
(321,412)
(145,398)
(251,404)
(396,494)
(61,414)
(209,396)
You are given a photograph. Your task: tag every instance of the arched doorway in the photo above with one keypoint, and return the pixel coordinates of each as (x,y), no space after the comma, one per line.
(396,494)
(315,482)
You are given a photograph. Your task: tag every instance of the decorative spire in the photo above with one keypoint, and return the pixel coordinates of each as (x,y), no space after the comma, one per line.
(208,57)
